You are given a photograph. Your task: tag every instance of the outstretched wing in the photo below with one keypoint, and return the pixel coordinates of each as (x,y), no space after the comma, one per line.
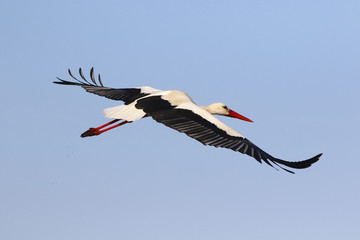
(199,124)
(127,95)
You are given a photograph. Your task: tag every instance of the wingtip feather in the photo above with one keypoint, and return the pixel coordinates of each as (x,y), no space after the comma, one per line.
(300,164)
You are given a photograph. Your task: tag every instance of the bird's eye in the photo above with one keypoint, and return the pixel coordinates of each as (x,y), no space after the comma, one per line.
(226,108)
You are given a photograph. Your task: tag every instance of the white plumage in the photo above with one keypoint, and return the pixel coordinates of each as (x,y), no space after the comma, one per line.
(126,112)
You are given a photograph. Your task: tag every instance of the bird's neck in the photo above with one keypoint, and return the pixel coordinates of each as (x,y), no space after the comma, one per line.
(209,108)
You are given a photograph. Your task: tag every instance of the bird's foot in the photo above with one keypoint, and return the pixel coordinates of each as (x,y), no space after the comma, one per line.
(90,132)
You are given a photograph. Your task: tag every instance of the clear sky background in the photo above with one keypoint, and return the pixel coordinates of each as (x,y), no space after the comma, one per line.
(291,66)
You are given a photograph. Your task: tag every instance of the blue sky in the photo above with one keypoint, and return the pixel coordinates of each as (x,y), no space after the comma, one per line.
(291,66)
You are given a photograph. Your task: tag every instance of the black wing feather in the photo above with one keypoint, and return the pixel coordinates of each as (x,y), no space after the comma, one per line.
(202,130)
(127,95)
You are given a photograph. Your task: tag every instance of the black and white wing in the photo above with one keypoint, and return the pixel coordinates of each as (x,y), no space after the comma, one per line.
(127,95)
(199,124)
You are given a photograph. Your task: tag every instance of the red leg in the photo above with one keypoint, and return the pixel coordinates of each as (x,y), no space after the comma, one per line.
(107,124)
(114,126)
(97,131)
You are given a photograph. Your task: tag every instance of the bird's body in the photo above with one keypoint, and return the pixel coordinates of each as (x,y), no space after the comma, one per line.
(175,100)
(177,110)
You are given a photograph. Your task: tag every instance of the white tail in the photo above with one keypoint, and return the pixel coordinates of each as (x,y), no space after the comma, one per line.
(125,112)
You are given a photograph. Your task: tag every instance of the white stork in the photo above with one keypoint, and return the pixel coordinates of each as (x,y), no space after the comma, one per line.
(177,110)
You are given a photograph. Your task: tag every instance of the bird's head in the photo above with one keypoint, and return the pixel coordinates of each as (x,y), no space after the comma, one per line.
(222,109)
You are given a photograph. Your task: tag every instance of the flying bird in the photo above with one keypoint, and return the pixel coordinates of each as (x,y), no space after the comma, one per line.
(178,111)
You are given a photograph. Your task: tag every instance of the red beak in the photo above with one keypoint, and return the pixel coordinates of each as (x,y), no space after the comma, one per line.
(238,116)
